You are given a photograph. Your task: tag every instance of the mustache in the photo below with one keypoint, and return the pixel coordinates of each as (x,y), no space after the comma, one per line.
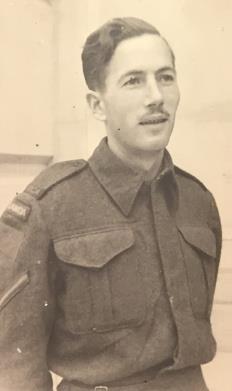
(158,115)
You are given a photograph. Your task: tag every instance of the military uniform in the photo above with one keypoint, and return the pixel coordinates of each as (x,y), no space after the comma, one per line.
(107,278)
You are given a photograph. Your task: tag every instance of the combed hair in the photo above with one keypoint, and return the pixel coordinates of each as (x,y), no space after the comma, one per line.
(101,44)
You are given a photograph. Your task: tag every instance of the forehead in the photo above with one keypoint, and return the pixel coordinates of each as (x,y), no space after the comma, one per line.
(147,52)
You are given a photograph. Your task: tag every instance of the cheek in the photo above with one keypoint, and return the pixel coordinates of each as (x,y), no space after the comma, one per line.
(172,100)
(122,109)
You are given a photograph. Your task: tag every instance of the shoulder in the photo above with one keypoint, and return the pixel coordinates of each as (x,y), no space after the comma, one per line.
(25,204)
(185,178)
(54,175)
(194,193)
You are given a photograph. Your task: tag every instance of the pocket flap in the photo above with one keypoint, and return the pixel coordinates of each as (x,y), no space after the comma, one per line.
(94,249)
(201,238)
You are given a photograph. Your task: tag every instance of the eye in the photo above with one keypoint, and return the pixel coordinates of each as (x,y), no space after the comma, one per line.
(133,81)
(166,78)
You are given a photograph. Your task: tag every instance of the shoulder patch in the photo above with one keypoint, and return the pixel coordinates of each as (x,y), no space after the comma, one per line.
(18,209)
(186,174)
(54,175)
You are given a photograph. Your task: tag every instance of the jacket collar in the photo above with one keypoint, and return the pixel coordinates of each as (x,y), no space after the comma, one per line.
(122,182)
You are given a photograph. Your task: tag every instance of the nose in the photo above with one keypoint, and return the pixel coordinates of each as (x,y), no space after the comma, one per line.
(153,93)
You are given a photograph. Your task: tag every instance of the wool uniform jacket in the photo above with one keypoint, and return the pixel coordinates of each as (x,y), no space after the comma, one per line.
(107,278)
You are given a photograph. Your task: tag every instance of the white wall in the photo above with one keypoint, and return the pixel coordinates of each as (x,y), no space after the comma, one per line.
(26,93)
(26,68)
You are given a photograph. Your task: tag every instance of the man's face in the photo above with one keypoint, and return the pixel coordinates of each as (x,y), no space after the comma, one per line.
(141,95)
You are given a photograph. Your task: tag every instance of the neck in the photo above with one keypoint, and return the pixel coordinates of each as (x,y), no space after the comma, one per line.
(138,160)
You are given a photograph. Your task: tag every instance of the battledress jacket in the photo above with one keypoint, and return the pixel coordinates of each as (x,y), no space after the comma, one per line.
(101,290)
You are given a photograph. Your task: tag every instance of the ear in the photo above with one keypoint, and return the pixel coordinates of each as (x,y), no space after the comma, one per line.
(96,105)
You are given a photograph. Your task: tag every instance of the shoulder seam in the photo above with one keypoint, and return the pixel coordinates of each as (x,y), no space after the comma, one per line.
(190,176)
(53,175)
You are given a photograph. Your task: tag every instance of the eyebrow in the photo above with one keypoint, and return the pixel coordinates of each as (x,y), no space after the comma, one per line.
(165,69)
(135,72)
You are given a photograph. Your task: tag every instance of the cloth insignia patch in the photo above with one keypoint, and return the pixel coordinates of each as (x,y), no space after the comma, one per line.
(19,210)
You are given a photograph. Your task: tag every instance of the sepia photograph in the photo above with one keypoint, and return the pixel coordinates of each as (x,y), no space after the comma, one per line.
(116,189)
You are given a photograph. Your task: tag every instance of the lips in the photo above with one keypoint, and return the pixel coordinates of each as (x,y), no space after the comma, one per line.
(154,119)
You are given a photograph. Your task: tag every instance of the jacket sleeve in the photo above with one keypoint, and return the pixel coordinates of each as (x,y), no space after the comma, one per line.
(215,226)
(26,297)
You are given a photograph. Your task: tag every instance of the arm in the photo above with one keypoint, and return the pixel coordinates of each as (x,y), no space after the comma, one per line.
(26,298)
(215,226)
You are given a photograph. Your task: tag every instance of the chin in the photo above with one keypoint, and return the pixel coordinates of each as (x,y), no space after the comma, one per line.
(154,144)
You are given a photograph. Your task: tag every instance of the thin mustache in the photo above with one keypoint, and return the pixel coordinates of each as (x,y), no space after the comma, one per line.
(154,115)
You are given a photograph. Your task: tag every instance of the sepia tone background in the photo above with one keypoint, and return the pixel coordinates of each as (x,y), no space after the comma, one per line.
(44,118)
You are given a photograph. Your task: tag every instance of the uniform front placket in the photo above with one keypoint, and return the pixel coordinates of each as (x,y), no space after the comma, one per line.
(188,349)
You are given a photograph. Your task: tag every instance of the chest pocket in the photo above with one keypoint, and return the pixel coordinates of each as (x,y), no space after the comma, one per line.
(199,249)
(102,285)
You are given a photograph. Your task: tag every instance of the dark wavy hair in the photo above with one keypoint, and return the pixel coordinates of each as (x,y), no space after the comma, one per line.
(101,44)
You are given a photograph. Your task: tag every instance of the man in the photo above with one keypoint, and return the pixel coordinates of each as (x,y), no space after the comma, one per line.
(108,267)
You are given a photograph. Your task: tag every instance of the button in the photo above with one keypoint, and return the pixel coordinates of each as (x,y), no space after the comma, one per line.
(171,299)
(94,329)
(101,388)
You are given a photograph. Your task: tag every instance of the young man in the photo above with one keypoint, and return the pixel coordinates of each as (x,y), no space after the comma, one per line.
(108,267)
